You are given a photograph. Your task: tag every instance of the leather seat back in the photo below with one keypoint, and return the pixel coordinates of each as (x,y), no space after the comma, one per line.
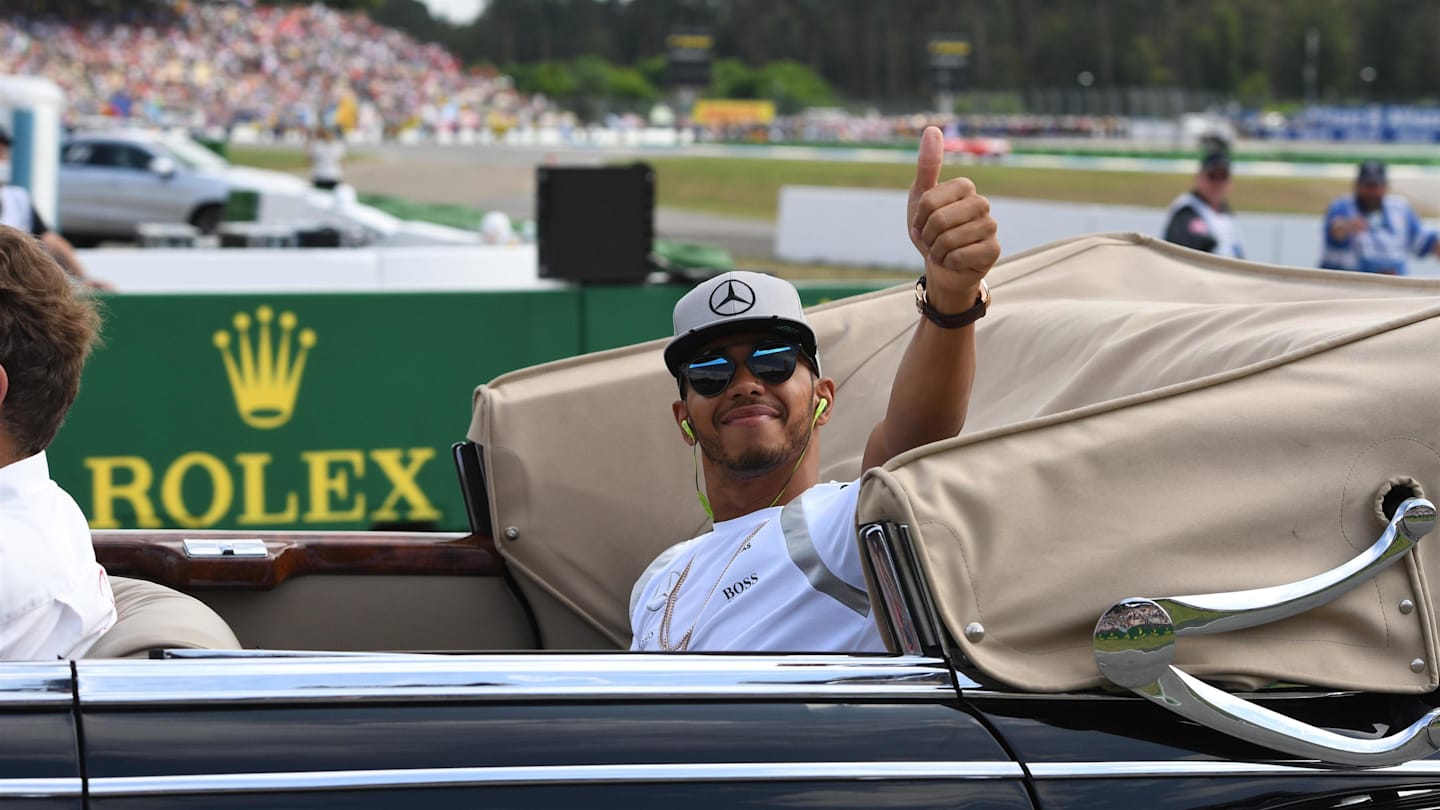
(156,617)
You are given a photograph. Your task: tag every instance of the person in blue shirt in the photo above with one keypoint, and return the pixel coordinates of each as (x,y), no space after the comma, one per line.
(1374,232)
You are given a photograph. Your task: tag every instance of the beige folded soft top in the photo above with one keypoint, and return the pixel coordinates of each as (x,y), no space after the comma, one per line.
(1147,421)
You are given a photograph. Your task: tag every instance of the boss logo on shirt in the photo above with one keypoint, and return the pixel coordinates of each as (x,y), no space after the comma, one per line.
(740,587)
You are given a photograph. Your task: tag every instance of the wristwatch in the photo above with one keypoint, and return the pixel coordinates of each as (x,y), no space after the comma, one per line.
(957,320)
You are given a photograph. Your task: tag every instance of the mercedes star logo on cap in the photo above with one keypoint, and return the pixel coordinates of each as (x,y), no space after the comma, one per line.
(732,298)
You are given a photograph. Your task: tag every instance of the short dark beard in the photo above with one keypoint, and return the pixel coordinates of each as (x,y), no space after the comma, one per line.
(757,463)
(760,461)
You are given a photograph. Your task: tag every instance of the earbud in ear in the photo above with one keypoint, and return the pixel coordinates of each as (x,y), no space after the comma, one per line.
(819,409)
(685,426)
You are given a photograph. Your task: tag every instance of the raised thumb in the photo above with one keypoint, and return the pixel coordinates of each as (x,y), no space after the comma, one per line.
(928,162)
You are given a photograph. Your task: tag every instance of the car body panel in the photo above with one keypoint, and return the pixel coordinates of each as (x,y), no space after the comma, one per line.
(657,793)
(389,730)
(1232,792)
(110,200)
(1111,728)
(1088,750)
(39,745)
(264,181)
(512,730)
(245,730)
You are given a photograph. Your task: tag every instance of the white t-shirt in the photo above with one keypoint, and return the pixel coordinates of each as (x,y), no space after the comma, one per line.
(55,599)
(325,158)
(15,207)
(782,579)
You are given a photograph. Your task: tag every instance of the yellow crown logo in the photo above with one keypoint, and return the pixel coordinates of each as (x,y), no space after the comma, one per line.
(265,381)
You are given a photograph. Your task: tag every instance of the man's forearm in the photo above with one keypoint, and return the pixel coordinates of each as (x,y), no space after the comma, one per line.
(950,225)
(931,393)
(930,396)
(64,254)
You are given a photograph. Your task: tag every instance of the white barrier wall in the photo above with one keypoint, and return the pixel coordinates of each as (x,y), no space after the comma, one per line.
(865,227)
(250,270)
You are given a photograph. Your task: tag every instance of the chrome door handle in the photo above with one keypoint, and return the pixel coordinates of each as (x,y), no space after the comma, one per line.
(1134,645)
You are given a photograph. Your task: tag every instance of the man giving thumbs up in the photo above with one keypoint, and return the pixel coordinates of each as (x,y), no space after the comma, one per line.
(780,571)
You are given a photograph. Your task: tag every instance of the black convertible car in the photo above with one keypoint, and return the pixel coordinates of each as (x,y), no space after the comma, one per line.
(1177,559)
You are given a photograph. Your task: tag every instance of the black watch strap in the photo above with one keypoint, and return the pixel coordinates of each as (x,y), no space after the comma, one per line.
(953,321)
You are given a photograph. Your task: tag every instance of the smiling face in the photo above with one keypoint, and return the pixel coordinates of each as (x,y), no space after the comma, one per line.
(752,427)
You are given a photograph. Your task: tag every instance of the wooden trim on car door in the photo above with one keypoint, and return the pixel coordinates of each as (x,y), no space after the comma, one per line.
(159,556)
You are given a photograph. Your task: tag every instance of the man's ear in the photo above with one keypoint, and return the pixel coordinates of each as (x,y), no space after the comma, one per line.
(825,389)
(4,385)
(682,419)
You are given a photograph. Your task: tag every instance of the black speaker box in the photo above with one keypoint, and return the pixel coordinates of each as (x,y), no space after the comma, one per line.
(595,225)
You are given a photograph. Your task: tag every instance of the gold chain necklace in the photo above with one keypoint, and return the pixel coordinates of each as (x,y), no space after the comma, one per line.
(670,600)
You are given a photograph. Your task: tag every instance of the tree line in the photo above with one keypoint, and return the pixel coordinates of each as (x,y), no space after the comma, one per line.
(1254,51)
(1257,52)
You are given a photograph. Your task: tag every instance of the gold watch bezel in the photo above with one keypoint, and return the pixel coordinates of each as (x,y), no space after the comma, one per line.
(922,299)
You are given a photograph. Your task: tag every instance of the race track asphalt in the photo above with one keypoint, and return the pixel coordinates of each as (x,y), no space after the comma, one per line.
(503,179)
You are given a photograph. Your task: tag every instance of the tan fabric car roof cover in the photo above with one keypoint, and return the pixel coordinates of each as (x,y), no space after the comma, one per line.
(1147,421)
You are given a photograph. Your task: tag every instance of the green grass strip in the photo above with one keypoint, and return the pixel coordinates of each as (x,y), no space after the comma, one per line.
(264,157)
(455,216)
(750,187)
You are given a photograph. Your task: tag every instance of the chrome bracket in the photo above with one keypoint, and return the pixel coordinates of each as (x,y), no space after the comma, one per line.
(1134,645)
(903,603)
(209,549)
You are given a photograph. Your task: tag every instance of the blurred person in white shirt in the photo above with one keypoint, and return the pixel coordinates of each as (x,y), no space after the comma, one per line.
(327,154)
(55,599)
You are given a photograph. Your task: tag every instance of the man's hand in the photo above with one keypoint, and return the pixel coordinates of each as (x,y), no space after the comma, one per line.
(1346,227)
(950,225)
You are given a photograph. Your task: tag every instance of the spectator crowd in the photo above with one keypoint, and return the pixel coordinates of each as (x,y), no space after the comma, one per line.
(212,66)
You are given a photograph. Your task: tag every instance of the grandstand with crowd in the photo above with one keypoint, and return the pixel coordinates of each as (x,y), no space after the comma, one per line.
(215,66)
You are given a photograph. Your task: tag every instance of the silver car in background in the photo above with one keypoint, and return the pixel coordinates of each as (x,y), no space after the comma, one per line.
(111,182)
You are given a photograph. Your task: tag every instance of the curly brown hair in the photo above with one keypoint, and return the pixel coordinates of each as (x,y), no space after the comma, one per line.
(47,330)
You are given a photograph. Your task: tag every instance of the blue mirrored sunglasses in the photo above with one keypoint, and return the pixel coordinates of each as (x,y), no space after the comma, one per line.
(710,373)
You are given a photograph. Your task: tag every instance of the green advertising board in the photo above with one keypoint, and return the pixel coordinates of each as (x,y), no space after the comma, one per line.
(321,411)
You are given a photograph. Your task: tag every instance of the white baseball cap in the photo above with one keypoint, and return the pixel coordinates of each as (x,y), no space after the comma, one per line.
(738,301)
